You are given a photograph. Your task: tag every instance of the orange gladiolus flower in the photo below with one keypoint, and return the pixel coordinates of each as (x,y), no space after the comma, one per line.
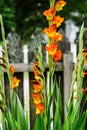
(84,73)
(39,108)
(35,69)
(57,20)
(51,31)
(59,5)
(37,86)
(52,48)
(37,97)
(58,37)
(58,56)
(85,60)
(15,82)
(12,69)
(84,52)
(36,72)
(84,90)
(49,13)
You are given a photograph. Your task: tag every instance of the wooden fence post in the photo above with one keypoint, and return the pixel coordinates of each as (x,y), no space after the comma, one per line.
(26,86)
(67,75)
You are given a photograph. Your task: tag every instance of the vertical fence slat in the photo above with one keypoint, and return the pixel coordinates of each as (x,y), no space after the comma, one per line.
(26,87)
(67,75)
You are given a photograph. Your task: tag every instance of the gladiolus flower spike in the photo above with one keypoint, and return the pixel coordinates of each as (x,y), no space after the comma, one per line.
(54,53)
(51,31)
(38,85)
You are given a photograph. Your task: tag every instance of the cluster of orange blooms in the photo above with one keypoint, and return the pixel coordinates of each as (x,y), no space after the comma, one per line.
(15,81)
(55,21)
(38,87)
(52,48)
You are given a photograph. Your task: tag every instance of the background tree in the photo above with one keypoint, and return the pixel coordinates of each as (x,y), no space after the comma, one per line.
(26,16)
(7,10)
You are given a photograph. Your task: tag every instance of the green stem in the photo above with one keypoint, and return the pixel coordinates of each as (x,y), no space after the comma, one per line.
(52,2)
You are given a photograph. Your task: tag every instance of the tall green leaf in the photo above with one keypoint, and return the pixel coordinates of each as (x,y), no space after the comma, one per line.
(21,115)
(39,123)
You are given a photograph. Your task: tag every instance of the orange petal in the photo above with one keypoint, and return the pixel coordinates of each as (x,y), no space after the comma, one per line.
(57,20)
(37,86)
(49,13)
(39,108)
(58,56)
(51,31)
(52,48)
(57,37)
(59,5)
(15,82)
(84,90)
(37,97)
(12,69)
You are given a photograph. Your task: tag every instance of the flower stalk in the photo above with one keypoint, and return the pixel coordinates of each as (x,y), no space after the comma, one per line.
(54,55)
(8,109)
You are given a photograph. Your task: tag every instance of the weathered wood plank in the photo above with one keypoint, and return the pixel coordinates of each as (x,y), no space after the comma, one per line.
(67,75)
(22,67)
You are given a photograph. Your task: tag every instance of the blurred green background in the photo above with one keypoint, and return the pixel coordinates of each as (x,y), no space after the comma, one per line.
(24,16)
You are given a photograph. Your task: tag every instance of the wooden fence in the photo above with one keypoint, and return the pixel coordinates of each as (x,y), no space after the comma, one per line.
(24,72)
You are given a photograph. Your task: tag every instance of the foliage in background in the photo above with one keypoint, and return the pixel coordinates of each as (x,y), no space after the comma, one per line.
(25,16)
(7,9)
(76,11)
(28,14)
